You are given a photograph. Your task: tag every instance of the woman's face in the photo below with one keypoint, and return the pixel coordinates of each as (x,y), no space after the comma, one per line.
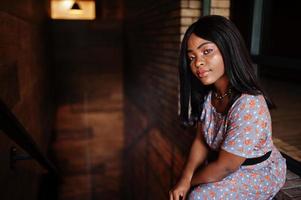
(206,61)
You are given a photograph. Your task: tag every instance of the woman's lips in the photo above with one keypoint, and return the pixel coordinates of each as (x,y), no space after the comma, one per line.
(202,73)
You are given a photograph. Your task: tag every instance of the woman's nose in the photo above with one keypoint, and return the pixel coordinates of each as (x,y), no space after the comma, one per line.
(200,63)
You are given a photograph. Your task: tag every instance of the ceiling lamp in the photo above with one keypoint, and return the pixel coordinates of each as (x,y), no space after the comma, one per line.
(76,6)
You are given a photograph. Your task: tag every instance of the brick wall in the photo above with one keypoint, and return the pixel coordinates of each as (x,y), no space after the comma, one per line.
(155,144)
(24,87)
(220,7)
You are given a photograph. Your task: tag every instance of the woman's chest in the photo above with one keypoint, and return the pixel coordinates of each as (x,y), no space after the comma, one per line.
(214,130)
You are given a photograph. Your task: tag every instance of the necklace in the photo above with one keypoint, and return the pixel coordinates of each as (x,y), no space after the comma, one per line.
(221,97)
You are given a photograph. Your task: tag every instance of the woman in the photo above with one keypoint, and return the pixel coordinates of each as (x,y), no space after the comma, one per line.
(232,155)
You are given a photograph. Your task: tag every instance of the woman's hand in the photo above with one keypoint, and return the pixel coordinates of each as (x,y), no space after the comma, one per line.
(180,190)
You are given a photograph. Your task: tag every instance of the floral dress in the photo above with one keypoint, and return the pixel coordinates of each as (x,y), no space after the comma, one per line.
(245,131)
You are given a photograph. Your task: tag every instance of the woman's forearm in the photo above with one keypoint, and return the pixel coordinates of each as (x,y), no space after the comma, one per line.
(197,155)
(226,164)
(213,172)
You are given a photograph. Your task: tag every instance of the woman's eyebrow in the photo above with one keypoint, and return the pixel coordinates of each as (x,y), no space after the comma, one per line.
(189,50)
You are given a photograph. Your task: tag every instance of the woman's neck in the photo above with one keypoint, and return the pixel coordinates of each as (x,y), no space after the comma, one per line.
(221,86)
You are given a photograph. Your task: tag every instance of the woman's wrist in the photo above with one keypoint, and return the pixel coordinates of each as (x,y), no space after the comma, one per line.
(186,177)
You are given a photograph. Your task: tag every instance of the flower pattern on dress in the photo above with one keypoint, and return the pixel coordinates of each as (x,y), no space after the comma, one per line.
(245,131)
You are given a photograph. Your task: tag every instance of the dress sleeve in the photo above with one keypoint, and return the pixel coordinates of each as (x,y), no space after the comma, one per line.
(247,123)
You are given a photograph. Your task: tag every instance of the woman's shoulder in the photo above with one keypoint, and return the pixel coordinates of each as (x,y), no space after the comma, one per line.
(248,102)
(243,98)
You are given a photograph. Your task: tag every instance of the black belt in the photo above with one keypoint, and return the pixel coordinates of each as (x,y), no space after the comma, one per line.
(249,161)
(253,161)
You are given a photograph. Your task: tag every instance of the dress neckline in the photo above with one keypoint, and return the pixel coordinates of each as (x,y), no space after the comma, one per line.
(212,107)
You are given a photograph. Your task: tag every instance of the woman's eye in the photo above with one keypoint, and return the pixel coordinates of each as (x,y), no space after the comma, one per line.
(191,59)
(207,51)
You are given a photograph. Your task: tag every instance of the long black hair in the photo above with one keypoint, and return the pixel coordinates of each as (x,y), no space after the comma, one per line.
(237,63)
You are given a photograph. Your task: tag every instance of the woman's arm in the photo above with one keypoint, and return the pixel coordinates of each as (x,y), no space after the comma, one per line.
(197,155)
(226,164)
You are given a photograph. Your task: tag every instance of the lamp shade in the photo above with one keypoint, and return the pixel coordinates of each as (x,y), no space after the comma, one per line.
(75,6)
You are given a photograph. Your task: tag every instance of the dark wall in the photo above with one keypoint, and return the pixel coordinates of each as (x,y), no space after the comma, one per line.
(155,146)
(241,13)
(87,60)
(25,88)
(82,47)
(280,36)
